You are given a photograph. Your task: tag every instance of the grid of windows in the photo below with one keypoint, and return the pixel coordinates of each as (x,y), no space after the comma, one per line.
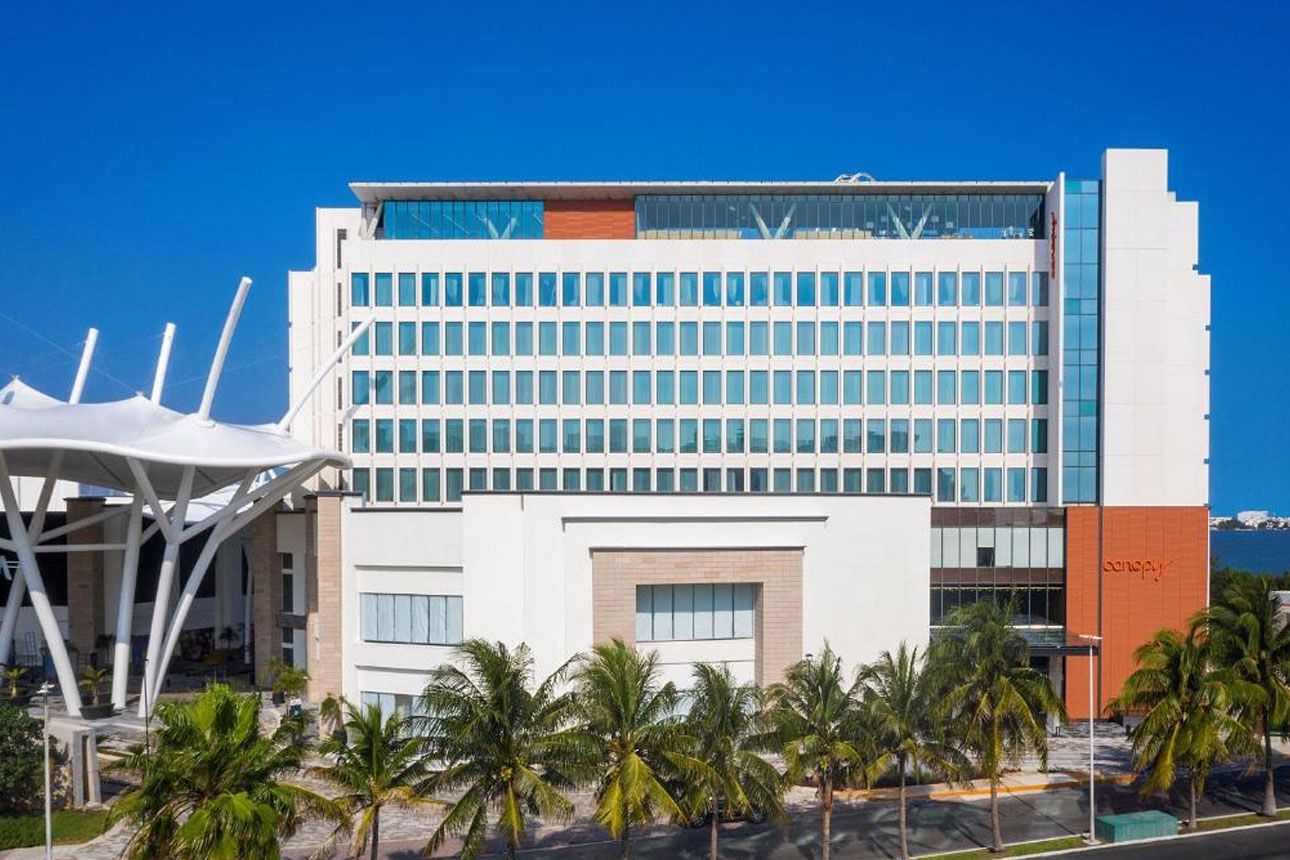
(684,612)
(417,619)
(973,485)
(1081,292)
(461,219)
(703,289)
(927,366)
(840,216)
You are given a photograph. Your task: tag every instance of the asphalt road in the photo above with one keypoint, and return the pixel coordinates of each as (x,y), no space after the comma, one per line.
(870,831)
(1253,843)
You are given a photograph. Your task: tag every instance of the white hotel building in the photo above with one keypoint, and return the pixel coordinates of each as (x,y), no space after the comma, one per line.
(731,420)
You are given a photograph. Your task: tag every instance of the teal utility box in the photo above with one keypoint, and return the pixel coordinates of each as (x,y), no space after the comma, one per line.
(1135,825)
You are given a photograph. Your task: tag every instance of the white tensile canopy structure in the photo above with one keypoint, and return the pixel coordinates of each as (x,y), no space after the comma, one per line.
(164,460)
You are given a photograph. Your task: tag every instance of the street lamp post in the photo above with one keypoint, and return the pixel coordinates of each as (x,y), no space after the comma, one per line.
(1092,711)
(45,689)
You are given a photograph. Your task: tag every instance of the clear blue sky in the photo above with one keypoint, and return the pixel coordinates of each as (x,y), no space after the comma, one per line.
(149,156)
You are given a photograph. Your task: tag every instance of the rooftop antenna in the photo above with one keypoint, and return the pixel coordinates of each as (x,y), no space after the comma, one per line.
(221,351)
(163,361)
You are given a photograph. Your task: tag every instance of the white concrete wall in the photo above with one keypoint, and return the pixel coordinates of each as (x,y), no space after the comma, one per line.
(403,551)
(523,566)
(1156,312)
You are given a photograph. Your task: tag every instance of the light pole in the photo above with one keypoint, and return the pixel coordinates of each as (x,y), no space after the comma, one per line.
(1092,711)
(45,689)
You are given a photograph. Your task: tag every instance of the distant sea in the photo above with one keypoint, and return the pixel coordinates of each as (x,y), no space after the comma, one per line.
(1255,551)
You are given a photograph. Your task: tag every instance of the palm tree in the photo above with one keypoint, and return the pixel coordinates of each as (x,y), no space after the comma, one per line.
(813,716)
(725,772)
(1250,637)
(506,746)
(13,674)
(212,784)
(632,734)
(376,763)
(900,696)
(992,696)
(1190,718)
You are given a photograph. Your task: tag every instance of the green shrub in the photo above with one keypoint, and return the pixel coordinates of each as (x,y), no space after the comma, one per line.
(21,772)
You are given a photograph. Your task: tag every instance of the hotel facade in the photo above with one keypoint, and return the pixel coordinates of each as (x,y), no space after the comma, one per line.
(730,421)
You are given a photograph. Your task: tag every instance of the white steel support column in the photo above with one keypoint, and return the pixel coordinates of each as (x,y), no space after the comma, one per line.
(229,522)
(165,579)
(39,598)
(19,588)
(125,604)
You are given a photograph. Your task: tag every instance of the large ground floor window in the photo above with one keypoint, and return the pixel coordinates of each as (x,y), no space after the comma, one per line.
(671,612)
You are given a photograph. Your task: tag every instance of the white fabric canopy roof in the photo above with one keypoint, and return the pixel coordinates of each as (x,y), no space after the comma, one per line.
(96,439)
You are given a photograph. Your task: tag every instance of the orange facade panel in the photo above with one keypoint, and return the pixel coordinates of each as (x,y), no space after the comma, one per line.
(589,219)
(1130,571)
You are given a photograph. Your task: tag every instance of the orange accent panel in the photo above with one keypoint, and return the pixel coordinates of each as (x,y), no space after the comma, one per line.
(589,219)
(1154,573)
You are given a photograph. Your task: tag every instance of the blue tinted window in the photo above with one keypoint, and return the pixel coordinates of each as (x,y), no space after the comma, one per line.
(877,338)
(571,289)
(970,289)
(712,338)
(665,289)
(899,338)
(665,338)
(828,338)
(900,289)
(359,295)
(618,338)
(407,289)
(735,289)
(594,289)
(712,289)
(759,289)
(852,338)
(477,289)
(853,289)
(501,289)
(947,289)
(524,290)
(994,289)
(805,289)
(828,289)
(594,334)
(783,289)
(640,289)
(546,289)
(546,338)
(806,338)
(877,289)
(922,387)
(641,338)
(689,338)
(384,289)
(734,338)
(689,289)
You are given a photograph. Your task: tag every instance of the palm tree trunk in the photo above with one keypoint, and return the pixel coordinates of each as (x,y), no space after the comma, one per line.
(376,832)
(510,847)
(904,831)
(826,816)
(1191,791)
(716,822)
(1269,781)
(996,832)
(626,840)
